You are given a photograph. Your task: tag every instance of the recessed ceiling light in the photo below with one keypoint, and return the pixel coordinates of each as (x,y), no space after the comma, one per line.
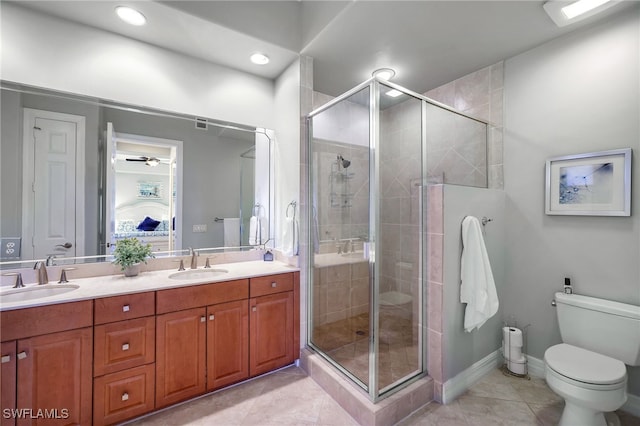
(131,16)
(580,7)
(259,59)
(564,14)
(393,93)
(384,73)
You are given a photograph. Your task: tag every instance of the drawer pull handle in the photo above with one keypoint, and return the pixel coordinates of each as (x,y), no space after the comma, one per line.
(274,284)
(125,396)
(202,319)
(125,308)
(22,355)
(6,358)
(211,317)
(254,309)
(125,347)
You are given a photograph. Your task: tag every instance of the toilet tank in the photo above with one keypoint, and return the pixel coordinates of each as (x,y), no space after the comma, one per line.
(603,326)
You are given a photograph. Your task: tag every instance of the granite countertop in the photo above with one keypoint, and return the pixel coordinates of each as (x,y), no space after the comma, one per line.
(114,285)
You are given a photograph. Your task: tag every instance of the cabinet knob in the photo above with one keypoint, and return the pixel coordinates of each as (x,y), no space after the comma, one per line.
(274,284)
(125,347)
(211,317)
(125,396)
(6,358)
(202,319)
(22,355)
(254,309)
(125,308)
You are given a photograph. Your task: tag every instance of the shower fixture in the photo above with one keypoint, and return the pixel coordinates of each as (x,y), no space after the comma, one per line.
(344,163)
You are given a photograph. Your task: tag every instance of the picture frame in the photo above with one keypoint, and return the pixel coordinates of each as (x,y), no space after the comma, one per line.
(150,190)
(590,184)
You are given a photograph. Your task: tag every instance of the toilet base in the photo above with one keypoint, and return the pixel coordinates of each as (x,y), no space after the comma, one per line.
(575,415)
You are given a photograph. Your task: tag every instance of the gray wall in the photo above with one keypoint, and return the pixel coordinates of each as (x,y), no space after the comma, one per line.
(576,94)
(11,161)
(211,170)
(462,349)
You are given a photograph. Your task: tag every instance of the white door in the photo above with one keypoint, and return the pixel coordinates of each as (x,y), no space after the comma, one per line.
(110,190)
(53,203)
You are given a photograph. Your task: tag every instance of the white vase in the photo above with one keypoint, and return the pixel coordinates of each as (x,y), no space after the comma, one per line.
(132,270)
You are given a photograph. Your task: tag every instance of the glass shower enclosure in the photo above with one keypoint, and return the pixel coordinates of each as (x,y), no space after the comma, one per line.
(369,158)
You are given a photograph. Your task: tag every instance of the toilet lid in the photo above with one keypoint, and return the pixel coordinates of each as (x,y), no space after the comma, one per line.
(583,365)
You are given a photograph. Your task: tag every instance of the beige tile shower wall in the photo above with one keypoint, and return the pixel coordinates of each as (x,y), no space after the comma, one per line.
(340,291)
(479,94)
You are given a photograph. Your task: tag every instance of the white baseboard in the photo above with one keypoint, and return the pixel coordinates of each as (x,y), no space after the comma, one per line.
(453,388)
(632,406)
(535,366)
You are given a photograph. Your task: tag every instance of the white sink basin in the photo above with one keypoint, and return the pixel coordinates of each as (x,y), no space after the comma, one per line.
(197,274)
(35,292)
(354,255)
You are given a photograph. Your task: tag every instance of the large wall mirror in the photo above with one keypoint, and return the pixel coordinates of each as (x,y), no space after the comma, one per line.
(78,174)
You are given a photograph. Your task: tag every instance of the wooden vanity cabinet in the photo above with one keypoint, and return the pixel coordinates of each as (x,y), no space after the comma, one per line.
(8,380)
(53,363)
(274,322)
(124,357)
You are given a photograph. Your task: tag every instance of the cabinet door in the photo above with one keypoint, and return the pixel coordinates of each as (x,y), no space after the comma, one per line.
(227,343)
(271,332)
(180,355)
(54,374)
(8,381)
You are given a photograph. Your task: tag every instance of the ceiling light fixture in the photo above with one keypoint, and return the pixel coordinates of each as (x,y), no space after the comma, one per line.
(259,59)
(393,93)
(581,7)
(384,73)
(564,14)
(130,16)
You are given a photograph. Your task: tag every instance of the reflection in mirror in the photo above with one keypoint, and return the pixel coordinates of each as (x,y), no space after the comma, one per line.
(77,174)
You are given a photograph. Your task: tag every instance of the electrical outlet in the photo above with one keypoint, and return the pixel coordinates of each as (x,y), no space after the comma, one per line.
(200,228)
(10,248)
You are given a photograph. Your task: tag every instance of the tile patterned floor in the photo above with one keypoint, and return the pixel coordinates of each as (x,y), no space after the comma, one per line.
(290,397)
(347,342)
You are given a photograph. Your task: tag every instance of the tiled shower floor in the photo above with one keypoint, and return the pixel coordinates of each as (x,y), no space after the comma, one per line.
(347,342)
(289,397)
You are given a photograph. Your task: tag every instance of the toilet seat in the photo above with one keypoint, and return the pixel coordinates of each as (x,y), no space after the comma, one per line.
(585,368)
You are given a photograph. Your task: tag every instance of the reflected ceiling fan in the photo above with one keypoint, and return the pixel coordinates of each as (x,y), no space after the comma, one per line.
(149,161)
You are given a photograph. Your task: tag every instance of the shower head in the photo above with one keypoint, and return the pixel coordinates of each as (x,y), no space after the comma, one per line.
(345,163)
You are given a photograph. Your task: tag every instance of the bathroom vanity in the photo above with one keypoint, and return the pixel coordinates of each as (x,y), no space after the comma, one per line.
(116,348)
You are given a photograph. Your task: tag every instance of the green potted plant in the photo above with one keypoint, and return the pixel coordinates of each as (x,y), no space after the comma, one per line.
(129,253)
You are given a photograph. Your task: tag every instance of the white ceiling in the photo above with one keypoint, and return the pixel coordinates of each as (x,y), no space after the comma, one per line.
(428,43)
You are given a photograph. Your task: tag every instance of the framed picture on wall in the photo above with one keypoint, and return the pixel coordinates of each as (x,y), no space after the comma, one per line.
(149,190)
(591,184)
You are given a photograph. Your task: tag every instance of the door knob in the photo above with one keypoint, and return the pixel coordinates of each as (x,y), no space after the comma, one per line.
(66,245)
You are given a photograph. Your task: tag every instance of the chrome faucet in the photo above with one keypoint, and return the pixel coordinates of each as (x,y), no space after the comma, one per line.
(43,277)
(194,258)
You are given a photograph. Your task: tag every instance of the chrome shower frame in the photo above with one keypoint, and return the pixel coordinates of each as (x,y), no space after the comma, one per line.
(374,84)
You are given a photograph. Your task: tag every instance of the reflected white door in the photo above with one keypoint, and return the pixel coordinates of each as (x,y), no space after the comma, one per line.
(110,190)
(53,205)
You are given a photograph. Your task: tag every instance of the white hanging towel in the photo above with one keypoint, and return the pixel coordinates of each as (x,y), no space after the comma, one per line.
(231,232)
(290,237)
(478,289)
(254,231)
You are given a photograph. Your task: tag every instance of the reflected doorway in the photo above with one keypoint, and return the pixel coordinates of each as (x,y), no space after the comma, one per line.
(144,190)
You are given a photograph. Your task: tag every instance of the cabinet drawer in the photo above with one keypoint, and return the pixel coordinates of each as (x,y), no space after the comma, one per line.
(123,395)
(178,299)
(28,322)
(271,284)
(129,306)
(124,344)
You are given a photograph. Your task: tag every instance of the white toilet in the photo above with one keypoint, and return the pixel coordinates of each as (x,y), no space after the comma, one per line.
(588,369)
